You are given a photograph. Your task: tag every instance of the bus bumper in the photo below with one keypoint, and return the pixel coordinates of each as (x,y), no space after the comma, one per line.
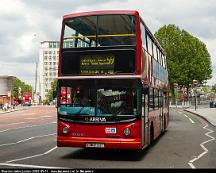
(109,143)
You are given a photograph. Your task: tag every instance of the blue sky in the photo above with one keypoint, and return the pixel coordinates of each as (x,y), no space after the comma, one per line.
(24,23)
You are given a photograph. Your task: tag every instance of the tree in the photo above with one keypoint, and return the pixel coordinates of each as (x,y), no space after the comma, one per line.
(19,87)
(187,56)
(50,92)
(214,88)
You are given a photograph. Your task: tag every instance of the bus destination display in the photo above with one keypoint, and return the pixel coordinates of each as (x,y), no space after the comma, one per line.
(97,64)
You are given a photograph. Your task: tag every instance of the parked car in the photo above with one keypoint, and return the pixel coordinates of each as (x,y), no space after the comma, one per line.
(212,103)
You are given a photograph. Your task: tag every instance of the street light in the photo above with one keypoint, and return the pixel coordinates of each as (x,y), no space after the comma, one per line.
(194,85)
(175,85)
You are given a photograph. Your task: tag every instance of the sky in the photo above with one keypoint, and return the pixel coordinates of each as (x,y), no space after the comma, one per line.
(25,23)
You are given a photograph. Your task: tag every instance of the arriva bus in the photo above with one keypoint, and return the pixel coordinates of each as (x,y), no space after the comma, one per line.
(112,82)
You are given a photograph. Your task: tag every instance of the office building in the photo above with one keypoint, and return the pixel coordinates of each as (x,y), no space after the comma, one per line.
(48,66)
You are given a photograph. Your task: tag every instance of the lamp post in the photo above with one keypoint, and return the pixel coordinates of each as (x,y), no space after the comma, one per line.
(36,68)
(175,85)
(194,85)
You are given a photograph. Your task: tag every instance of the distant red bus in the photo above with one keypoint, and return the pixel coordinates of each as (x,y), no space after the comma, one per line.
(27,99)
(112,82)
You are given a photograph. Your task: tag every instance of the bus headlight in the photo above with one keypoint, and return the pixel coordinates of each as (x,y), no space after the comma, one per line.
(62,112)
(65,130)
(127,131)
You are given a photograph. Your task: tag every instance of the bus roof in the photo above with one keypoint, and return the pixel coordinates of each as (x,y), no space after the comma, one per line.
(132,12)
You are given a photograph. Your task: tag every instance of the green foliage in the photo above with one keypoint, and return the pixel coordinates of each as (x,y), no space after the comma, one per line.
(19,87)
(50,92)
(214,88)
(187,57)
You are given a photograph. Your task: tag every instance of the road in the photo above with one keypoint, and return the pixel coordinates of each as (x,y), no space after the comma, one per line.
(28,140)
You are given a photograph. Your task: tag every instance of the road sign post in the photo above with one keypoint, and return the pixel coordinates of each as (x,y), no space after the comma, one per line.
(194,85)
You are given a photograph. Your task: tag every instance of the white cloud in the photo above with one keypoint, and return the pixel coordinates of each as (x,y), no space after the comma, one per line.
(25,71)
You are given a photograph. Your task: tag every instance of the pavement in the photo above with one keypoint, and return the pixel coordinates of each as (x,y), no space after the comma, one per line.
(9,110)
(19,108)
(209,114)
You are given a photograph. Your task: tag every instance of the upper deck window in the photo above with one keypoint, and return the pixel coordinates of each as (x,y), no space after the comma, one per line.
(116,30)
(80,32)
(101,30)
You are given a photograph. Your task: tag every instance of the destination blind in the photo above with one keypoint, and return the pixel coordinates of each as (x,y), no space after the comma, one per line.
(97,64)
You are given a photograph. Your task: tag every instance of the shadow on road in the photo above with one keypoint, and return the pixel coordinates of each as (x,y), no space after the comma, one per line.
(101,154)
(111,154)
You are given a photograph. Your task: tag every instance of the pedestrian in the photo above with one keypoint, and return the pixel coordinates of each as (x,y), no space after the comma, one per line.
(5,108)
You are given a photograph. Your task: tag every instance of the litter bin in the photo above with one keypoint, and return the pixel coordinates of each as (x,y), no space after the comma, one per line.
(211,104)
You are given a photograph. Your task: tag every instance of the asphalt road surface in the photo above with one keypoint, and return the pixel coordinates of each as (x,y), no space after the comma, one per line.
(28,140)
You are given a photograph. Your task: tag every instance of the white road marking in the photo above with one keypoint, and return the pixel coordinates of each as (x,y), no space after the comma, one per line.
(37,155)
(26,127)
(30,118)
(203,147)
(24,140)
(30,114)
(47,116)
(15,123)
(32,166)
(191,121)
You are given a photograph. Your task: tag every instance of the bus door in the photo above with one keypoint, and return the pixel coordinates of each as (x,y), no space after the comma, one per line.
(164,109)
(145,119)
(161,110)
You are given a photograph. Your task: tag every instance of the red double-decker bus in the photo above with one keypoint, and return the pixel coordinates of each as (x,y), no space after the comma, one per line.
(112,83)
(27,99)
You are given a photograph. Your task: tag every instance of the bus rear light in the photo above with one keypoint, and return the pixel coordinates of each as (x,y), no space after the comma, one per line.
(65,130)
(127,131)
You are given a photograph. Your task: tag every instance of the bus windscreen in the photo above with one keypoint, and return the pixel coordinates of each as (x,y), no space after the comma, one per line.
(96,98)
(99,30)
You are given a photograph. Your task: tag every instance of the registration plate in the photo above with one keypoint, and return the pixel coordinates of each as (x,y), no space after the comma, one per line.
(94,145)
